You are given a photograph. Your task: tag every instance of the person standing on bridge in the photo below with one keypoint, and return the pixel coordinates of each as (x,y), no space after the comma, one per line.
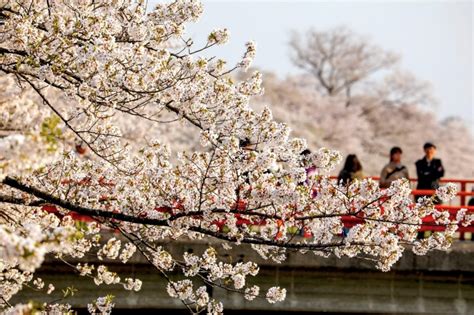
(394,169)
(471,202)
(429,169)
(352,170)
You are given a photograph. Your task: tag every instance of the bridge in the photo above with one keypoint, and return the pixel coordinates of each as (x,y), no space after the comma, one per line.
(465,190)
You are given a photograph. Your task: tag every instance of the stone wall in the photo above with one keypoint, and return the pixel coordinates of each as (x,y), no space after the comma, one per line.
(439,283)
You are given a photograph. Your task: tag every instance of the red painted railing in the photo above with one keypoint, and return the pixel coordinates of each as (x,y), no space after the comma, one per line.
(428,222)
(463,184)
(350,221)
(429,225)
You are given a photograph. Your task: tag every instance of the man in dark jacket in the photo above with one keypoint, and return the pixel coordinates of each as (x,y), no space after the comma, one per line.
(429,169)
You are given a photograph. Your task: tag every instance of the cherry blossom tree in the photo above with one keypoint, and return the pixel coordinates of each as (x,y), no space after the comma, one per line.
(338,59)
(95,69)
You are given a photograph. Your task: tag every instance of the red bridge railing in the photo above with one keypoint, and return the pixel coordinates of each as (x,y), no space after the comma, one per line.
(463,185)
(350,221)
(463,193)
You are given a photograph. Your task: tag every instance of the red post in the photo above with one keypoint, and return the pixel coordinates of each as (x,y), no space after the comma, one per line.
(463,197)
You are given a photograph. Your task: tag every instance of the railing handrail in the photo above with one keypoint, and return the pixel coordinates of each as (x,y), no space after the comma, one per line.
(442,180)
(455,180)
(454,208)
(418,192)
(462,193)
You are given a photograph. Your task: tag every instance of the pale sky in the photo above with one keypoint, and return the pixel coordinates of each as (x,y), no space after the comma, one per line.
(434,38)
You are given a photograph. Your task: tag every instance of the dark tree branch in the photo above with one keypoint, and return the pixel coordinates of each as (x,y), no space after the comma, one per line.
(166,223)
(20,201)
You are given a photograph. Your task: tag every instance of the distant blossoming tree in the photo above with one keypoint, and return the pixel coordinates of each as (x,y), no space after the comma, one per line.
(338,59)
(89,64)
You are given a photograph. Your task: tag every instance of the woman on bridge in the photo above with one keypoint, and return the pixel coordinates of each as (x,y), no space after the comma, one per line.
(394,169)
(352,170)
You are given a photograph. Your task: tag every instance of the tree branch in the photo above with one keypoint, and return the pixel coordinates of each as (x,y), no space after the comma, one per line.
(9,181)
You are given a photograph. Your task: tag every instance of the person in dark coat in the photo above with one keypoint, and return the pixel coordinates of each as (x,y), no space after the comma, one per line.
(429,169)
(471,202)
(352,170)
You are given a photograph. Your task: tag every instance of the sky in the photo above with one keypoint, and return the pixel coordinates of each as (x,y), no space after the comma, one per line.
(433,38)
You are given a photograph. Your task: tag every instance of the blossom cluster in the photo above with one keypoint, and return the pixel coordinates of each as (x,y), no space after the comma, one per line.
(102,305)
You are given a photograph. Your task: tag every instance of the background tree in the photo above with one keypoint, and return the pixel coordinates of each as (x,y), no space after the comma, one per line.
(338,59)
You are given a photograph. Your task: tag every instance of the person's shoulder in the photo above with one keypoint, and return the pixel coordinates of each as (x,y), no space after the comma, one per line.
(386,166)
(420,161)
(342,173)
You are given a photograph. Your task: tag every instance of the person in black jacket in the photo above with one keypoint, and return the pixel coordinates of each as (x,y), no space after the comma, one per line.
(429,169)
(471,203)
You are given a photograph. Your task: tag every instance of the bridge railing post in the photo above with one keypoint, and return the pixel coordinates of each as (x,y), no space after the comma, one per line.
(463,197)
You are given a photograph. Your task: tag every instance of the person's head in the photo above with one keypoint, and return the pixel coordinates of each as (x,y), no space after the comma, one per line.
(244,143)
(306,157)
(396,154)
(352,163)
(306,152)
(430,150)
